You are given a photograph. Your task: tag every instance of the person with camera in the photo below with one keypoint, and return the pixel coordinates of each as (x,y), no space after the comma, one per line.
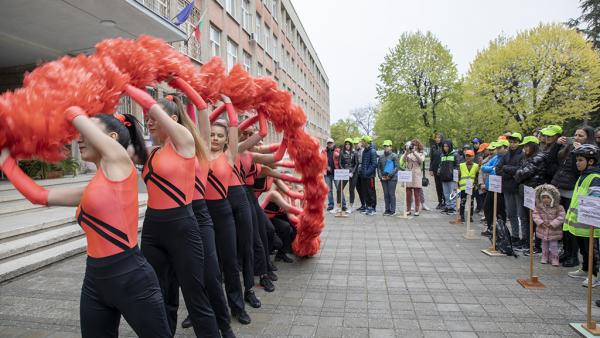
(387,170)
(414,157)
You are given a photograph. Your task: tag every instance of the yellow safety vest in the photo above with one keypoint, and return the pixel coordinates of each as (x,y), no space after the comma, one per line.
(466,175)
(571,223)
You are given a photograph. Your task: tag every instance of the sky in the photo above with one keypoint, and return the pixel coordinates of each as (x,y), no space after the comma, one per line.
(352,37)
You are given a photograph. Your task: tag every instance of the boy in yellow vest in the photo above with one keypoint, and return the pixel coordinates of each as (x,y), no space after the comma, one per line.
(467,171)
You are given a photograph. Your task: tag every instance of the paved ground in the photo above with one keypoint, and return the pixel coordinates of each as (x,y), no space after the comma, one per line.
(375,276)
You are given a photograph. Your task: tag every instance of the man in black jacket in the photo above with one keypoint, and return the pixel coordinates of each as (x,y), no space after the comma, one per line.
(510,189)
(434,165)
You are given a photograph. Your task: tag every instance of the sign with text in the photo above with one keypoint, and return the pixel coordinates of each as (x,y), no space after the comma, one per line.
(589,211)
(455,175)
(405,176)
(495,183)
(469,187)
(528,197)
(341,174)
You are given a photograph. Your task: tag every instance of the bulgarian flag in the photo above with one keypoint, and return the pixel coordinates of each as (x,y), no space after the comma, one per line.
(198,31)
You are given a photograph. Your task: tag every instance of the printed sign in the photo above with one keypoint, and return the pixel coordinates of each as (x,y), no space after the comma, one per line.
(528,197)
(469,187)
(455,175)
(495,183)
(341,174)
(405,176)
(589,211)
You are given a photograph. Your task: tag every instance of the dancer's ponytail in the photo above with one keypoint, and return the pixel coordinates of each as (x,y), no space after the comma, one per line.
(129,131)
(174,106)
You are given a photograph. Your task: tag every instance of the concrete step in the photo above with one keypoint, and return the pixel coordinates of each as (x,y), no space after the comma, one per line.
(17,207)
(7,186)
(22,244)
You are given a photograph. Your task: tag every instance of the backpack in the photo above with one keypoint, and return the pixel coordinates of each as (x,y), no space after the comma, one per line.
(503,239)
(389,167)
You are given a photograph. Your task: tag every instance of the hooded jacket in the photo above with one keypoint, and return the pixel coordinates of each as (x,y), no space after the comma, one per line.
(507,168)
(566,175)
(447,166)
(549,219)
(436,156)
(369,162)
(490,168)
(533,170)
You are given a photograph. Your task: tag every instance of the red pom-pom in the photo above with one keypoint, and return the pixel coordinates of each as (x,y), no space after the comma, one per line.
(240,88)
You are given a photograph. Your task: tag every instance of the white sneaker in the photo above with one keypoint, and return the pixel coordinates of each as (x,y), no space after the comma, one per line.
(595,282)
(578,274)
(425,207)
(333,211)
(349,210)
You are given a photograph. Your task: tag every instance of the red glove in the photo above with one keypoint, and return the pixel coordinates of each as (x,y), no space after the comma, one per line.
(190,92)
(293,219)
(293,210)
(26,186)
(72,112)
(214,115)
(140,96)
(290,178)
(272,147)
(232,115)
(286,164)
(262,125)
(191,112)
(294,195)
(281,151)
(248,122)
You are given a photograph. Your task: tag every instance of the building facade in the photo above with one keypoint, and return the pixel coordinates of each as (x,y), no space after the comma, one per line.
(268,39)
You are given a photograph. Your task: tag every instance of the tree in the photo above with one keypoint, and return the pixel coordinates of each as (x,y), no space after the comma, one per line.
(548,74)
(364,117)
(588,22)
(343,129)
(419,72)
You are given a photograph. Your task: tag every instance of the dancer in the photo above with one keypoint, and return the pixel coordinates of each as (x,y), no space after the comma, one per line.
(223,151)
(212,272)
(108,213)
(171,239)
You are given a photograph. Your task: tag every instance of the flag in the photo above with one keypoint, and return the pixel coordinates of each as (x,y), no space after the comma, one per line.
(198,31)
(182,16)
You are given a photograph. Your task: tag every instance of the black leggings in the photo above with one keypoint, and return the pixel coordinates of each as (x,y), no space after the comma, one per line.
(173,246)
(261,242)
(285,231)
(243,229)
(438,188)
(212,272)
(368,188)
(122,284)
(222,217)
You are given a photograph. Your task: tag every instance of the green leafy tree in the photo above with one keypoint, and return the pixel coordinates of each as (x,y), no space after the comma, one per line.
(548,74)
(589,21)
(343,129)
(416,78)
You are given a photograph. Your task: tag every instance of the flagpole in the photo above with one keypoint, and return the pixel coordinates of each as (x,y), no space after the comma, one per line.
(199,21)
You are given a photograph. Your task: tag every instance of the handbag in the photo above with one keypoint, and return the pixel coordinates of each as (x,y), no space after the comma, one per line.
(424,180)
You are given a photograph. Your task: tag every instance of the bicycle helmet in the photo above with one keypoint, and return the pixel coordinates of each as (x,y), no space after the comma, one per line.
(588,151)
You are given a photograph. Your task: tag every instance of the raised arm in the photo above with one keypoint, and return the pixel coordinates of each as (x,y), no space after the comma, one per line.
(182,139)
(203,124)
(232,145)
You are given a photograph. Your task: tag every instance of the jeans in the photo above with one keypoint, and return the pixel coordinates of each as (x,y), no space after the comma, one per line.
(329,182)
(448,188)
(511,203)
(340,196)
(359,190)
(389,195)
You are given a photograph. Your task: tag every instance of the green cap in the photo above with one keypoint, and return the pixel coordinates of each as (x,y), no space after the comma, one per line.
(530,139)
(356,140)
(517,136)
(387,143)
(493,146)
(502,143)
(366,138)
(551,130)
(349,139)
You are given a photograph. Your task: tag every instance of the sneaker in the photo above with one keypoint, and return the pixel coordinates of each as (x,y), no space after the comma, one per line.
(536,251)
(283,257)
(272,276)
(228,333)
(242,317)
(393,214)
(425,207)
(386,213)
(187,322)
(578,274)
(451,212)
(250,297)
(266,283)
(486,233)
(371,212)
(349,211)
(416,213)
(272,266)
(329,208)
(361,209)
(440,206)
(595,282)
(333,211)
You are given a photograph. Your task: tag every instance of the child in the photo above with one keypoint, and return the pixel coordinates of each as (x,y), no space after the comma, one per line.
(549,216)
(467,171)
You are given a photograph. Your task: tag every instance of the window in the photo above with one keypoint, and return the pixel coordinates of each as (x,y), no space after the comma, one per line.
(215,41)
(247,62)
(259,69)
(273,7)
(161,7)
(231,54)
(258,28)
(246,16)
(230,7)
(267,36)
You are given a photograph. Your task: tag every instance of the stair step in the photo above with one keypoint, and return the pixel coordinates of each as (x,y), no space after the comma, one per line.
(6,185)
(16,207)
(41,257)
(13,195)
(30,241)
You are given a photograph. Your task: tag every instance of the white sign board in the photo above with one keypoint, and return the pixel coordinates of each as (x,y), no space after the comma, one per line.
(455,175)
(589,211)
(528,197)
(495,183)
(341,174)
(405,176)
(469,187)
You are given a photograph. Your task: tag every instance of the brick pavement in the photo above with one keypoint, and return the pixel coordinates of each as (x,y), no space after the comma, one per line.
(374,277)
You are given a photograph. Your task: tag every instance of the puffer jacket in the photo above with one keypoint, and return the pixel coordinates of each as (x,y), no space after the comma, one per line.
(369,162)
(507,168)
(553,154)
(347,160)
(549,218)
(566,175)
(533,170)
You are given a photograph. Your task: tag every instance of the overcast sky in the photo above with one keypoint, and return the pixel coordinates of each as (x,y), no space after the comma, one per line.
(352,37)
